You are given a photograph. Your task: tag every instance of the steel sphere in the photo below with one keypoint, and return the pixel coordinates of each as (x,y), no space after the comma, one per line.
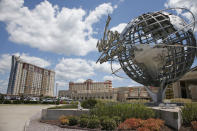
(156,48)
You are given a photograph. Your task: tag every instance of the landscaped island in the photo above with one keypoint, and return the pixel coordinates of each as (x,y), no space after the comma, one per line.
(108,115)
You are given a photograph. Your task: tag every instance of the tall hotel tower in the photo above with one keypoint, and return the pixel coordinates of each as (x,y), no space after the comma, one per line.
(28,79)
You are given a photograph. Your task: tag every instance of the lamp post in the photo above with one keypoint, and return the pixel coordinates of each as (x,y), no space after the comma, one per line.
(56,90)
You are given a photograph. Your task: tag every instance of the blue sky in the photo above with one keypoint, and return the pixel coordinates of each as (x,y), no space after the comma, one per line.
(61,34)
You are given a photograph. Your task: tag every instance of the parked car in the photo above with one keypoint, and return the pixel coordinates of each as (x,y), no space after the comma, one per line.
(34,99)
(47,100)
(18,98)
(27,99)
(7,97)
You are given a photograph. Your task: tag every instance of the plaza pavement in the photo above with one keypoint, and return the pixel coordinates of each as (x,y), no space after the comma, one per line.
(35,125)
(25,118)
(14,117)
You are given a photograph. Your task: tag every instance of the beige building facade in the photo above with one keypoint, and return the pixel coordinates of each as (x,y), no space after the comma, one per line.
(90,89)
(186,87)
(28,79)
(102,90)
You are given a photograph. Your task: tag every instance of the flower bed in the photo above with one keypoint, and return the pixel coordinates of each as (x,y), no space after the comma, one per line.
(124,116)
(88,122)
(139,124)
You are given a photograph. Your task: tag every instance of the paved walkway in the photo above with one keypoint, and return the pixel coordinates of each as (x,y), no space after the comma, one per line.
(14,117)
(35,125)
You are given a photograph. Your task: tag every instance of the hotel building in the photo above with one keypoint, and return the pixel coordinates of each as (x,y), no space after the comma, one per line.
(185,87)
(103,90)
(89,89)
(28,79)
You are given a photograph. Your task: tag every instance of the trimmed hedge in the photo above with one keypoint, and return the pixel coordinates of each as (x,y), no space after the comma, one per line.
(84,116)
(102,118)
(31,102)
(7,102)
(117,120)
(89,104)
(17,102)
(123,110)
(108,124)
(73,120)
(189,113)
(94,123)
(83,122)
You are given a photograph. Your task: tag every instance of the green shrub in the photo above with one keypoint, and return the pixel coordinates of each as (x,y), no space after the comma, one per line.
(94,117)
(1,98)
(108,124)
(64,102)
(17,102)
(73,120)
(31,102)
(189,113)
(117,119)
(84,116)
(180,100)
(83,122)
(123,110)
(102,118)
(7,102)
(93,123)
(46,102)
(74,102)
(89,104)
(57,102)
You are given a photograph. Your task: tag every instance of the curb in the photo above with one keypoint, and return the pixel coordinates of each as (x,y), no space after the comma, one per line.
(26,125)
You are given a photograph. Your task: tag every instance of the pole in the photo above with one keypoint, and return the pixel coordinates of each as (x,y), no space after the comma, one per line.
(56,90)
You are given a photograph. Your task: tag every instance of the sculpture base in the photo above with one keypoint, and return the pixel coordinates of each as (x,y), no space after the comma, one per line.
(171,116)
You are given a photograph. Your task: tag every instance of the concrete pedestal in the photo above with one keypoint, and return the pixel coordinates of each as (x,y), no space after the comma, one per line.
(172,117)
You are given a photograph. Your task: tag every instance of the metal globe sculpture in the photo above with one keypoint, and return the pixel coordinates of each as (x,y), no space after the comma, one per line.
(155,49)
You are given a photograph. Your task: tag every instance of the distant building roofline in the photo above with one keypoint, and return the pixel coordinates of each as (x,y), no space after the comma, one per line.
(23,61)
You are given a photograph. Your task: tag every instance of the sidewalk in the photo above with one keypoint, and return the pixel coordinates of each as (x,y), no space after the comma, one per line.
(34,125)
(14,116)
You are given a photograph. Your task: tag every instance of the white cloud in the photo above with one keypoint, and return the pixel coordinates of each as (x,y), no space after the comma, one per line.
(95,15)
(119,27)
(34,60)
(80,80)
(71,69)
(112,78)
(5,61)
(104,67)
(3,86)
(78,70)
(48,28)
(62,83)
(189,4)
(134,83)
